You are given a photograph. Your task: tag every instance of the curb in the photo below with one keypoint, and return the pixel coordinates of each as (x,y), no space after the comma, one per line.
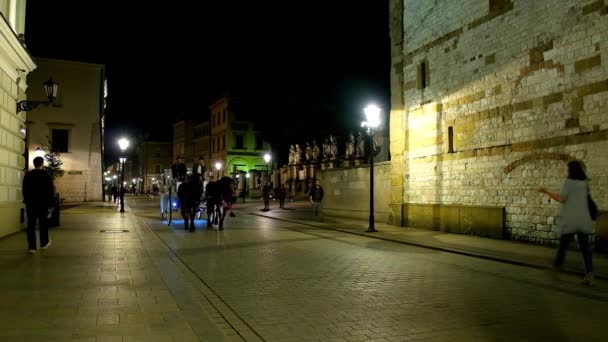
(441,248)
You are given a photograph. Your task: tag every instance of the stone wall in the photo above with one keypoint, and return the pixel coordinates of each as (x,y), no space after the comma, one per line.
(491,98)
(347,191)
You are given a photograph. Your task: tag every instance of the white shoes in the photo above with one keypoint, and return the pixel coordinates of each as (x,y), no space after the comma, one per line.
(31,251)
(48,244)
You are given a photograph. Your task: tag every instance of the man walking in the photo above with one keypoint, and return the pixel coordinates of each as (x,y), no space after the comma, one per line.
(316,197)
(38,192)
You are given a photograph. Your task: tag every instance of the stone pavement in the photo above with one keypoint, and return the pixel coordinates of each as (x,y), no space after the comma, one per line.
(90,285)
(518,253)
(286,281)
(265,279)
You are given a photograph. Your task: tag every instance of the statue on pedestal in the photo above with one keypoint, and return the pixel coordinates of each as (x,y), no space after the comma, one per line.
(315,151)
(308,152)
(333,147)
(298,155)
(360,149)
(292,154)
(350,146)
(326,149)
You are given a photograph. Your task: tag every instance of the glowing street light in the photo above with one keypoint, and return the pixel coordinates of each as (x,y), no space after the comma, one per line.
(372,116)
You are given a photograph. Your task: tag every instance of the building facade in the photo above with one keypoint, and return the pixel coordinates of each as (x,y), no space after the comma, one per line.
(15,65)
(73,124)
(236,145)
(489,99)
(153,157)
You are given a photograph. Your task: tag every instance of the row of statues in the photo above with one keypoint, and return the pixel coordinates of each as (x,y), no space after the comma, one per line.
(355,148)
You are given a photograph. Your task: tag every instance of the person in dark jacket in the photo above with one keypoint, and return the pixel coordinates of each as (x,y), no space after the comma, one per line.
(199,168)
(282,195)
(316,197)
(266,196)
(179,169)
(38,193)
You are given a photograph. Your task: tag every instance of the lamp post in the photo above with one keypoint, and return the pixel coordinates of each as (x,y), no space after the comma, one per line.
(123,144)
(372,115)
(247,184)
(267,158)
(218,167)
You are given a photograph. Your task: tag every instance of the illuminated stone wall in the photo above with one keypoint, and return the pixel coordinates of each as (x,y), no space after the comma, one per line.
(490,98)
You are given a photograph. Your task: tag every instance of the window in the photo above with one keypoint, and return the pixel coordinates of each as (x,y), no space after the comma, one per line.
(157,168)
(60,139)
(223,142)
(157,152)
(259,143)
(423,75)
(225,111)
(240,142)
(451,139)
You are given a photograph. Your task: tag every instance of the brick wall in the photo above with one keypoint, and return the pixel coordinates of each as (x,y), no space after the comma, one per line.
(523,87)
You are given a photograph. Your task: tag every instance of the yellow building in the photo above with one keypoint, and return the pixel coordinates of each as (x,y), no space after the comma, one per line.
(15,65)
(73,123)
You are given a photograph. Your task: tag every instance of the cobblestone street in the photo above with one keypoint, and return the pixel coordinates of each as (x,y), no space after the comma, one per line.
(268,280)
(293,282)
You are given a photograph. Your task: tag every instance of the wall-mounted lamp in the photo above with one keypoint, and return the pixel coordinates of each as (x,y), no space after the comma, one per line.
(50,89)
(39,152)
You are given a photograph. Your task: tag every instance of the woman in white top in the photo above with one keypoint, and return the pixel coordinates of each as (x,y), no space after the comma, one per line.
(574,216)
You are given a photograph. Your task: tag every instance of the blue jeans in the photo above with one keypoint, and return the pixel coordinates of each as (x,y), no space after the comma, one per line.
(583,243)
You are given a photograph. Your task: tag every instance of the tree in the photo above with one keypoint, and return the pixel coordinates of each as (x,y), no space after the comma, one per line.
(53,163)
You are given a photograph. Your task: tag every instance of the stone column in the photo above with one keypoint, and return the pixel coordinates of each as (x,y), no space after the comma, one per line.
(398,120)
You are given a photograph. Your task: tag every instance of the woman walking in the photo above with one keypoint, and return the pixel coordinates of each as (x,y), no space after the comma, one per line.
(575,217)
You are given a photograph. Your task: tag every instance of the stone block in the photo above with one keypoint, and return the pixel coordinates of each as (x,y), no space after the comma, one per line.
(476,220)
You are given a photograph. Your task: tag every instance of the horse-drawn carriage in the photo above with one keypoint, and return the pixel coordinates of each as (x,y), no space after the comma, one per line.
(194,197)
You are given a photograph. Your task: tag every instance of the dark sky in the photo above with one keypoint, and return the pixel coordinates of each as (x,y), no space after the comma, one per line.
(304,69)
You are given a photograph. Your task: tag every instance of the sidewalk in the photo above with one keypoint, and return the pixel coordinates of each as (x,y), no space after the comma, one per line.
(512,252)
(106,277)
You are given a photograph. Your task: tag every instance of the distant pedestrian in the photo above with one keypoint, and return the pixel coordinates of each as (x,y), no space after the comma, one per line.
(38,193)
(316,198)
(266,195)
(115,192)
(574,217)
(282,196)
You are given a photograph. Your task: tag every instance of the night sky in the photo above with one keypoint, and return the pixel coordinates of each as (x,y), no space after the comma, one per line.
(302,69)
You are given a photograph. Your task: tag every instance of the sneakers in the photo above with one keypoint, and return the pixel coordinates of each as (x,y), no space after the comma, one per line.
(48,244)
(588,280)
(31,251)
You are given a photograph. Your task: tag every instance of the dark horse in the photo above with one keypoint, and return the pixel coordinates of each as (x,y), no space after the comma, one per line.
(189,195)
(219,196)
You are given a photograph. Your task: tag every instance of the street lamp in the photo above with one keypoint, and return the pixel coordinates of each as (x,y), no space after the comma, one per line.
(218,167)
(267,158)
(50,88)
(372,115)
(123,144)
